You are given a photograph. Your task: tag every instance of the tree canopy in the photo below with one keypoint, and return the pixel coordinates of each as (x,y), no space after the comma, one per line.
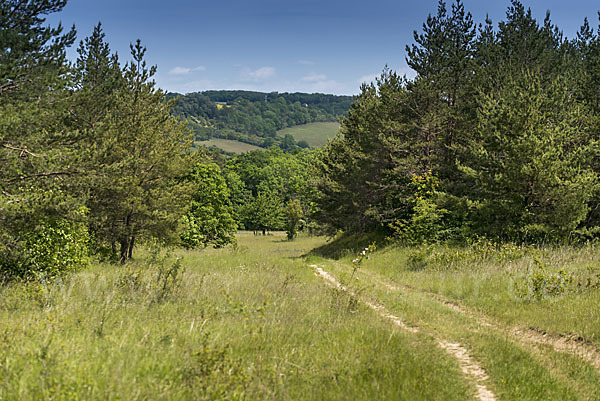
(497,135)
(92,157)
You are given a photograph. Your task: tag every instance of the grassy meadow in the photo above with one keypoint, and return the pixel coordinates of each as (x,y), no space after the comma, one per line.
(254,322)
(315,134)
(228,145)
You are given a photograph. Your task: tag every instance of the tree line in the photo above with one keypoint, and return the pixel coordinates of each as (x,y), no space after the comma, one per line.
(496,136)
(94,161)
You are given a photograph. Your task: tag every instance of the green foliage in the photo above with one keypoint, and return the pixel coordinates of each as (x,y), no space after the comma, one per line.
(539,283)
(52,249)
(426,222)
(263,212)
(139,154)
(352,171)
(57,248)
(293,213)
(37,147)
(263,181)
(91,135)
(530,160)
(448,257)
(255,117)
(210,219)
(499,116)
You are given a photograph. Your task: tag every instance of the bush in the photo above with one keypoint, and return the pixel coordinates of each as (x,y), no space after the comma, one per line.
(540,283)
(51,249)
(426,222)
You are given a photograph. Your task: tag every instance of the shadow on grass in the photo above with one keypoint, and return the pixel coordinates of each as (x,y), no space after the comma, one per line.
(350,244)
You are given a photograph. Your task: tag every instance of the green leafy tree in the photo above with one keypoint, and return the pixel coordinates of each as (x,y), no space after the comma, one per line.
(210,219)
(293,214)
(263,212)
(36,143)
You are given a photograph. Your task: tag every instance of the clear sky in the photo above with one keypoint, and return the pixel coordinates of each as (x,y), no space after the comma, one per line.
(327,46)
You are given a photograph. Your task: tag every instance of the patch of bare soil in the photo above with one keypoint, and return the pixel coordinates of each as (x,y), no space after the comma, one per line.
(470,368)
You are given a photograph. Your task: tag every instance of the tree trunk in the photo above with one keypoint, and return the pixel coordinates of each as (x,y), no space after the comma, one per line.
(124,249)
(131,242)
(126,242)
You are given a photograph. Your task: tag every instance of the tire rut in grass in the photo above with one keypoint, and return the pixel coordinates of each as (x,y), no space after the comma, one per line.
(470,368)
(560,343)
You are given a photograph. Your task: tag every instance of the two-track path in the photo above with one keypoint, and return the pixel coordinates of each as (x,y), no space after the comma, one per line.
(472,369)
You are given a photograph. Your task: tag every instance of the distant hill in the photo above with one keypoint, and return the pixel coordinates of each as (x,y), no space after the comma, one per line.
(256,117)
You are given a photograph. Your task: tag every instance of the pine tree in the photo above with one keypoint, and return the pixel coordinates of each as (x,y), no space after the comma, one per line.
(98,81)
(140,159)
(36,142)
(443,92)
(531,160)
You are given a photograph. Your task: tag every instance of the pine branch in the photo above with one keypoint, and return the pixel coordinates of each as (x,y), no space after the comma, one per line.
(5,87)
(23,151)
(36,176)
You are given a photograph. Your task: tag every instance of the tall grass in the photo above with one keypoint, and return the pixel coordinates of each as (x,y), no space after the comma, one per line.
(251,322)
(477,295)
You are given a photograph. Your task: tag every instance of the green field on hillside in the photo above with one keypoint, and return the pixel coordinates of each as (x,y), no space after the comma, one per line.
(316,134)
(228,145)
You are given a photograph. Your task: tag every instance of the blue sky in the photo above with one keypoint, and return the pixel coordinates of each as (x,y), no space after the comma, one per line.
(327,46)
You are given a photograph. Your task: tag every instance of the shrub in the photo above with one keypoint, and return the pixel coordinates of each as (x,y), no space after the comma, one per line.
(51,249)
(540,283)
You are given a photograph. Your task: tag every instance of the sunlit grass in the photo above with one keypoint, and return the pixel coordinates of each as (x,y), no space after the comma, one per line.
(251,322)
(228,145)
(315,134)
(417,283)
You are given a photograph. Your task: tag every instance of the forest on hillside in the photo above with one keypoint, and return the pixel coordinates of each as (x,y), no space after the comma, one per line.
(255,117)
